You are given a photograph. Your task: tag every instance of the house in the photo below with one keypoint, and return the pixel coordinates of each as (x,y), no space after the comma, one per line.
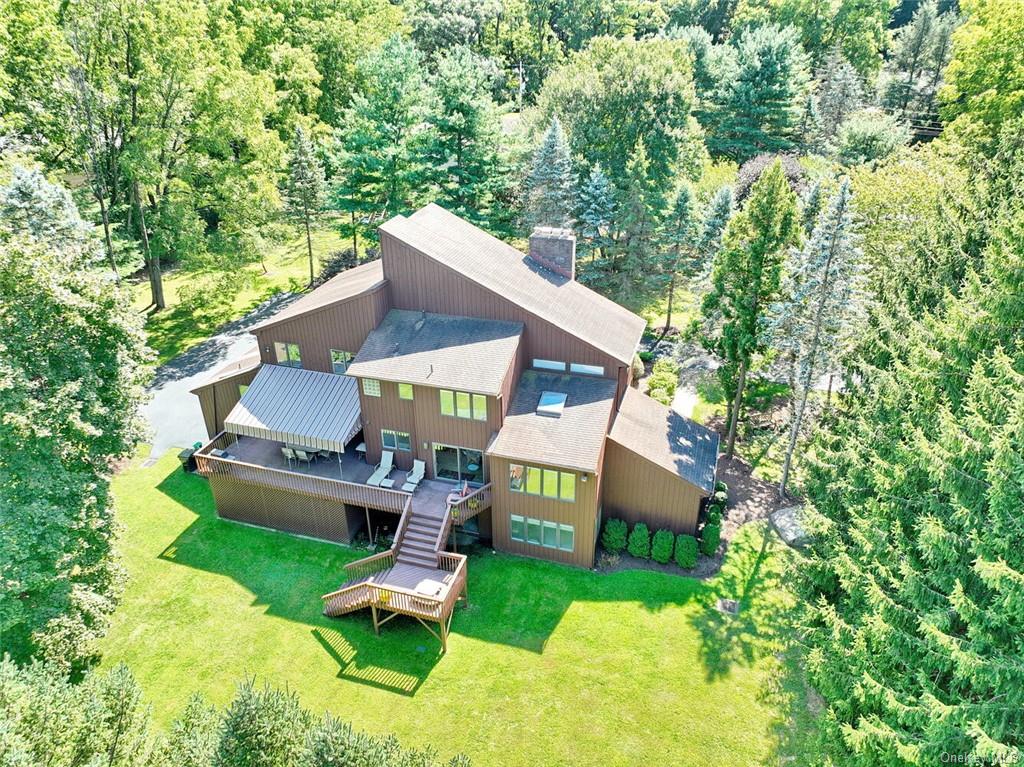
(496,371)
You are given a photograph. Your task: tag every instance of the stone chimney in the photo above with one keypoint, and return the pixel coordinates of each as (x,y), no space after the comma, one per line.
(554,249)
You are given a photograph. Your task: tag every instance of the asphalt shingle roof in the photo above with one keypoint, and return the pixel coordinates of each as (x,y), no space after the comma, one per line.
(665,438)
(511,274)
(349,284)
(439,350)
(572,440)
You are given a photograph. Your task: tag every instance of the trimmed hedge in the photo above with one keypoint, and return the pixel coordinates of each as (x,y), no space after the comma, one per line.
(710,537)
(640,541)
(613,538)
(721,497)
(714,517)
(721,487)
(661,546)
(686,551)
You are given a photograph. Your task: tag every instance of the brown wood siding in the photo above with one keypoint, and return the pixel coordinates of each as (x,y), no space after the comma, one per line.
(637,490)
(422,418)
(217,399)
(419,283)
(343,326)
(280,509)
(581,514)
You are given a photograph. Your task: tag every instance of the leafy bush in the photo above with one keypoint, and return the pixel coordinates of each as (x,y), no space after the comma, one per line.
(714,517)
(660,395)
(721,497)
(664,380)
(686,551)
(710,537)
(869,135)
(637,368)
(640,541)
(721,487)
(661,546)
(613,538)
(646,356)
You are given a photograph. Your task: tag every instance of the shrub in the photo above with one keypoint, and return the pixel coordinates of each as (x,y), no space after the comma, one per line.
(664,380)
(714,517)
(721,497)
(686,551)
(710,537)
(646,356)
(613,538)
(661,546)
(721,487)
(640,541)
(869,135)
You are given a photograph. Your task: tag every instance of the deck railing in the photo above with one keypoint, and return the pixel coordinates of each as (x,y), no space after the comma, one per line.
(367,566)
(321,487)
(468,507)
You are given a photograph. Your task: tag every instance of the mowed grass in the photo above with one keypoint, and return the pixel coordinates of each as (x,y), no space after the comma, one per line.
(550,665)
(177,328)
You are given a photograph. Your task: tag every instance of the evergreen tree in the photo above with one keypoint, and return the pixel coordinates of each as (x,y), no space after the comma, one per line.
(820,304)
(757,107)
(31,205)
(913,588)
(381,144)
(678,238)
(839,93)
(463,151)
(810,206)
(716,215)
(639,205)
(266,727)
(305,189)
(746,281)
(595,215)
(809,128)
(921,51)
(549,187)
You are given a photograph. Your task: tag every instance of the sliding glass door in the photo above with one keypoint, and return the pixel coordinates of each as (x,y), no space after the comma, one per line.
(458,464)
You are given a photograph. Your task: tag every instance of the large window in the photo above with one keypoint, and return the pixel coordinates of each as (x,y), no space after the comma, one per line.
(340,361)
(287,354)
(463,404)
(539,532)
(587,370)
(395,440)
(371,387)
(549,365)
(549,483)
(404,391)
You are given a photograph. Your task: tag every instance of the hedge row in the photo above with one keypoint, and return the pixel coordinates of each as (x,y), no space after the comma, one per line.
(663,547)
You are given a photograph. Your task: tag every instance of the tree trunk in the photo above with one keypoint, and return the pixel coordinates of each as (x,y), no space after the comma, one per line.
(828,393)
(794,433)
(741,382)
(671,296)
(106,236)
(156,280)
(309,249)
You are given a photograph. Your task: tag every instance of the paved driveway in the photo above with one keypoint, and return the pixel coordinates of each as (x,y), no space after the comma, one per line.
(173,412)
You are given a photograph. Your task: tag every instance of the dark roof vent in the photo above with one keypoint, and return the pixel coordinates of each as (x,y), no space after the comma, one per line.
(551,404)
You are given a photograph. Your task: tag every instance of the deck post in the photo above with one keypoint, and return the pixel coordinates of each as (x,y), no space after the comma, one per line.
(376,626)
(444,635)
(369,530)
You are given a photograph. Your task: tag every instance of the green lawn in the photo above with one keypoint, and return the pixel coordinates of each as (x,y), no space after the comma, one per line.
(178,328)
(549,665)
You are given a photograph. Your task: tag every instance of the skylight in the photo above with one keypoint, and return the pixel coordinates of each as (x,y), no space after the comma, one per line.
(551,404)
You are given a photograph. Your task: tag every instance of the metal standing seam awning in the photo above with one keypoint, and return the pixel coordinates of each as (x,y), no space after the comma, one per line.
(301,407)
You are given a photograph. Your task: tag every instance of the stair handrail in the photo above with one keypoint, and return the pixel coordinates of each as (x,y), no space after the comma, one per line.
(403,525)
(342,590)
(442,534)
(462,502)
(374,559)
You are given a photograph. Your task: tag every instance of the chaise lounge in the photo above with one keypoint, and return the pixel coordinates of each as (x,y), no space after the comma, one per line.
(384,468)
(414,477)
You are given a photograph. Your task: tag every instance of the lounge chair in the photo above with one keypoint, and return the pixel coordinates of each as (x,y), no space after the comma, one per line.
(384,468)
(305,457)
(414,477)
(289,455)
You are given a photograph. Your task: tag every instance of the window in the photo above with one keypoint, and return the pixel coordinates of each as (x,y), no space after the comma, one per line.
(404,391)
(517,528)
(549,483)
(549,365)
(550,535)
(371,387)
(395,440)
(463,404)
(479,407)
(587,370)
(340,361)
(287,354)
(447,402)
(516,477)
(242,389)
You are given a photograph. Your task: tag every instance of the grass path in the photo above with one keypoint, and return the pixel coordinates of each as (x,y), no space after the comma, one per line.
(550,665)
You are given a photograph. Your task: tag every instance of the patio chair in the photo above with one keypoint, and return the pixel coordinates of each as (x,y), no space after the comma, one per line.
(384,468)
(414,477)
(305,457)
(289,455)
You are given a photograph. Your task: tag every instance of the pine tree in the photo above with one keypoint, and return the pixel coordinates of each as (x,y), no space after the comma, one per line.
(678,238)
(921,50)
(549,187)
(839,93)
(757,107)
(716,215)
(595,215)
(810,206)
(820,292)
(305,189)
(746,281)
(639,206)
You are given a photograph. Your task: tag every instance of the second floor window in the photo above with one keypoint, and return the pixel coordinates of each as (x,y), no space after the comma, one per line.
(395,440)
(463,404)
(340,361)
(287,354)
(548,483)
(404,391)
(371,387)
(549,365)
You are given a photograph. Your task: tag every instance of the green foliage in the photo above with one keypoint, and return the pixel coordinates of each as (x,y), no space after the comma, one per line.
(870,135)
(639,544)
(710,537)
(595,214)
(305,189)
(721,487)
(664,380)
(71,376)
(549,187)
(661,546)
(714,515)
(840,93)
(922,50)
(613,538)
(262,727)
(686,551)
